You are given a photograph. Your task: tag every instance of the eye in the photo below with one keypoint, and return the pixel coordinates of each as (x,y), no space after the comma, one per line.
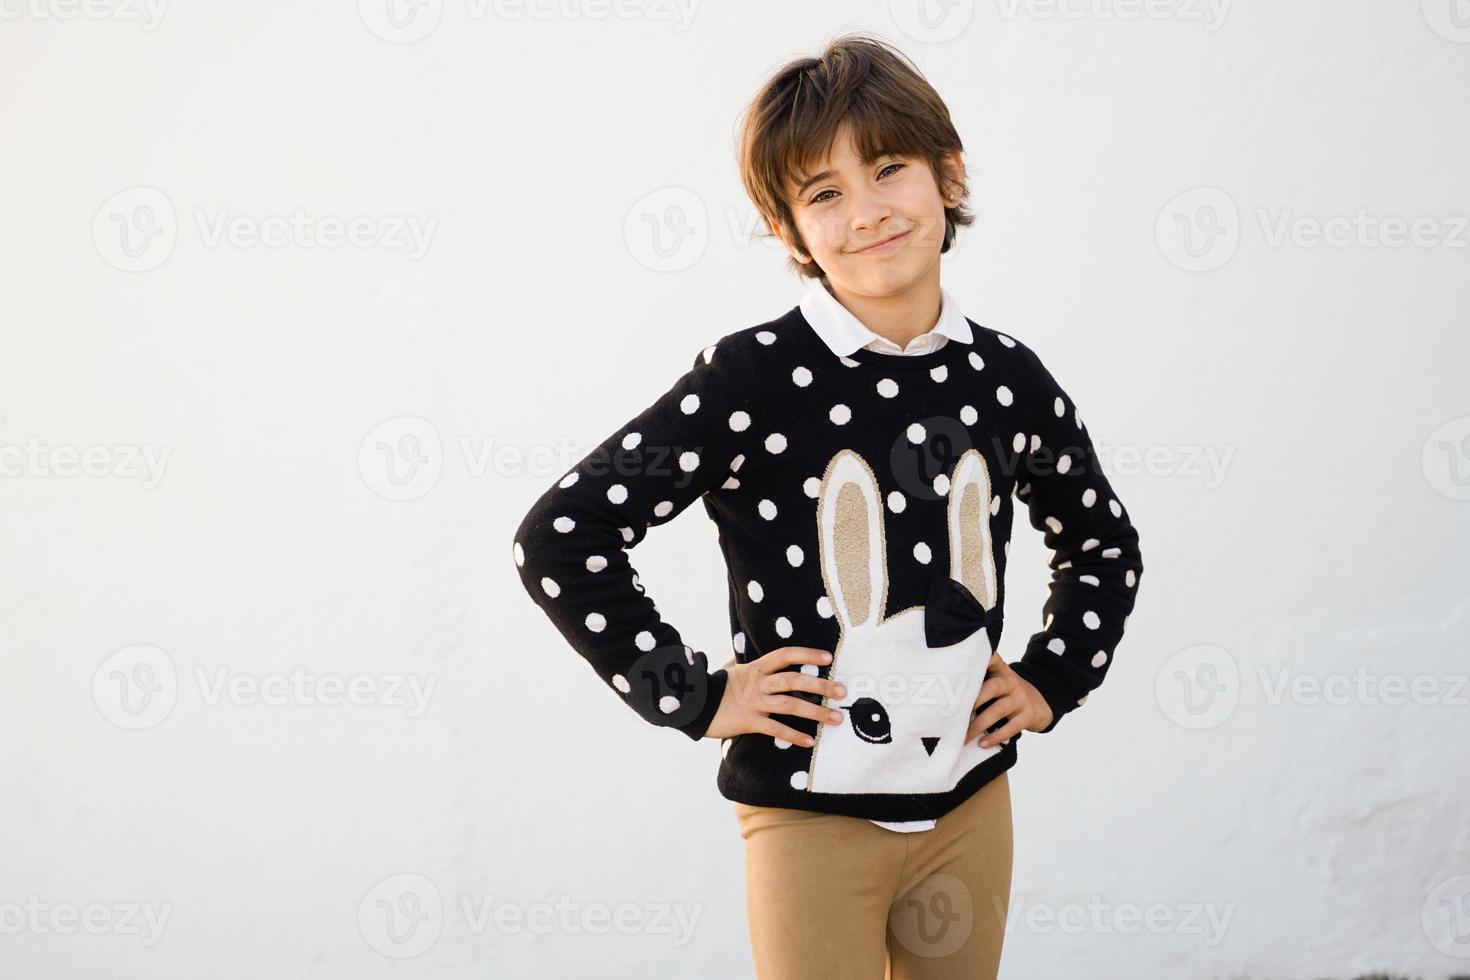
(895,167)
(870,721)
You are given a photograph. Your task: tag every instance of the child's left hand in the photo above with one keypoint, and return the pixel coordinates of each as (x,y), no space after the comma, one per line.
(1014,699)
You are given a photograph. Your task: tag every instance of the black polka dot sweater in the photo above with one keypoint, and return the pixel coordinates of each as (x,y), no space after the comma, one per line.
(863,505)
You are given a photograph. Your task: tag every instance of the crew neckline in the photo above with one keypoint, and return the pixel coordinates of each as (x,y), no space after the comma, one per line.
(952,350)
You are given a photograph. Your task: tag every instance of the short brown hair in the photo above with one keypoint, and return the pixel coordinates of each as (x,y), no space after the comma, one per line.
(795,119)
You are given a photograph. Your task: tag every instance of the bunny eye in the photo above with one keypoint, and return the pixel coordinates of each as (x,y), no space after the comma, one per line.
(870,721)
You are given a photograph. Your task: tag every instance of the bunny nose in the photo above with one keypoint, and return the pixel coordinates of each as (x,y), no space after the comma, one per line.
(930,743)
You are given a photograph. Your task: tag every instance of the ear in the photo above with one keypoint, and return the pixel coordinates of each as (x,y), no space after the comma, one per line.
(854,550)
(971,558)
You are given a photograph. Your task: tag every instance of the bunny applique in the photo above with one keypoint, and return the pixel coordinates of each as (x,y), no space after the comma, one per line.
(911,678)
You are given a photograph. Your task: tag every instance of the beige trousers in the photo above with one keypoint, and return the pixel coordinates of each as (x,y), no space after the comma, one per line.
(838,897)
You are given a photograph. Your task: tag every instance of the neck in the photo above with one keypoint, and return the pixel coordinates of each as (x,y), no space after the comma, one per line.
(900,316)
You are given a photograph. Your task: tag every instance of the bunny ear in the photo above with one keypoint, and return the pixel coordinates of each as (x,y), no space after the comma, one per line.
(971,560)
(850,529)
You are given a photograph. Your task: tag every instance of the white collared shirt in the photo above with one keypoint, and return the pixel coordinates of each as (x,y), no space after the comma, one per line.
(844,333)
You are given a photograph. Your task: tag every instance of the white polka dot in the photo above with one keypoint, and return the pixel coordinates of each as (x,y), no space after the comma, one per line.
(794,556)
(735,463)
(1018,444)
(766,337)
(617,493)
(888,387)
(668,704)
(1054,524)
(811,486)
(897,502)
(596,563)
(941,484)
(550,587)
(1090,620)
(1129,578)
(976,361)
(798,780)
(621,683)
(849,362)
(916,433)
(775,443)
(738,640)
(1089,579)
(688,462)
(1089,497)
(520,553)
(1090,543)
(632,439)
(1057,645)
(783,627)
(563,524)
(1035,443)
(1058,406)
(644,641)
(840,414)
(596,622)
(739,421)
(767,509)
(824,607)
(1005,340)
(921,552)
(569,479)
(1003,395)
(968,415)
(730,484)
(1110,552)
(802,377)
(709,353)
(754,590)
(1064,463)
(939,373)
(1116,508)
(780,742)
(627,533)
(1099,658)
(689,404)
(995,505)
(725,744)
(1007,549)
(663,508)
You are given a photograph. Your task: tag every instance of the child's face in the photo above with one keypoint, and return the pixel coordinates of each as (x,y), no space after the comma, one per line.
(852,205)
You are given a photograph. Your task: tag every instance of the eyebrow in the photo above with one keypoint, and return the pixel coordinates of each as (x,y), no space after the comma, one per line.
(815,178)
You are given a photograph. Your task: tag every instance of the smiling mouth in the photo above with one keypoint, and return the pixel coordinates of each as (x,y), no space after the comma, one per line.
(883,245)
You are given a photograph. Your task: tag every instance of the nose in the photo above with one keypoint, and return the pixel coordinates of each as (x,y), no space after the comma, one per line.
(930,744)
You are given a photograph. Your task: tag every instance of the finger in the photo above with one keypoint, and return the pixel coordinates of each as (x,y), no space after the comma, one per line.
(795,680)
(784,705)
(785,732)
(998,712)
(1002,734)
(786,656)
(995,687)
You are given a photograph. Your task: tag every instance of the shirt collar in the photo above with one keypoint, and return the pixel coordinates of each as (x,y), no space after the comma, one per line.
(844,333)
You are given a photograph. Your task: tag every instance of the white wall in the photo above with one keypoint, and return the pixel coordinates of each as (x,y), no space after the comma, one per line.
(273,385)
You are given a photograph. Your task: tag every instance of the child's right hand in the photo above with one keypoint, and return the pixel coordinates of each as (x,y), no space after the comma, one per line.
(753,694)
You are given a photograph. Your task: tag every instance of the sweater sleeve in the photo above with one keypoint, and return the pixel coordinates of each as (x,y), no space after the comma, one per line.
(571,548)
(1095,560)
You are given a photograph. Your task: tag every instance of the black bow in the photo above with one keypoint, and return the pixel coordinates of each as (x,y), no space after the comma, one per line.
(952,612)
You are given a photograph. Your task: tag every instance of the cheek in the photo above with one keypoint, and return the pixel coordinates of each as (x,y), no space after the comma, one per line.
(822,233)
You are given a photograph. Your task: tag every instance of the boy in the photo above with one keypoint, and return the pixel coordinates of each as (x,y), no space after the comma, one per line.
(857,455)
